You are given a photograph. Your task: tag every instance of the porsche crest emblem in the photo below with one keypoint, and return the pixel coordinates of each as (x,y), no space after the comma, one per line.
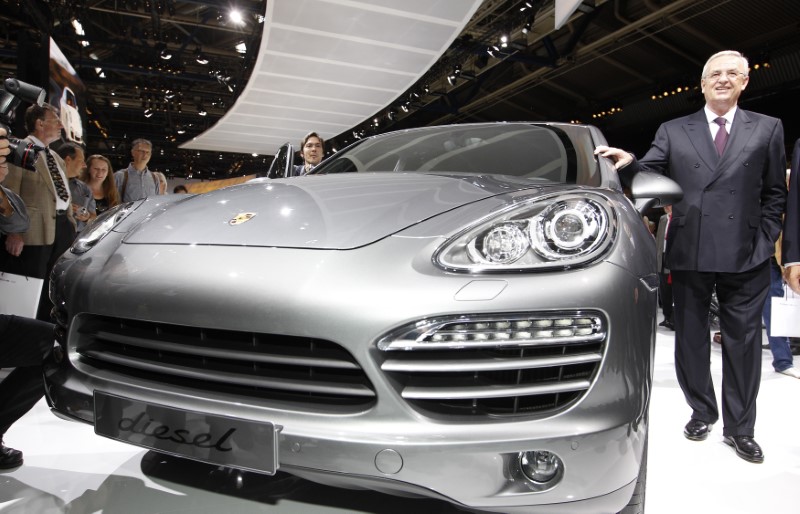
(242,217)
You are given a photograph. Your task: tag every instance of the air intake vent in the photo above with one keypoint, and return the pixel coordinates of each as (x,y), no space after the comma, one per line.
(267,366)
(496,365)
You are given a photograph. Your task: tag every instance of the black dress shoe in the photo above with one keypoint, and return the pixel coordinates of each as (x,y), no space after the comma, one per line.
(9,457)
(696,430)
(746,447)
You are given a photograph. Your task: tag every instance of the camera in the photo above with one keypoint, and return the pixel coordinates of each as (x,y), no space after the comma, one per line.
(23,154)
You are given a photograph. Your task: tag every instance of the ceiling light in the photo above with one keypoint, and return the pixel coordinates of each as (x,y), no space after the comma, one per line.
(165,54)
(241,47)
(236,17)
(148,113)
(78,27)
(200,57)
(115,104)
(201,111)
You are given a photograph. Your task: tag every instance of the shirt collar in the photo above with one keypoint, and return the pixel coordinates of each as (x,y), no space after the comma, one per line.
(711,116)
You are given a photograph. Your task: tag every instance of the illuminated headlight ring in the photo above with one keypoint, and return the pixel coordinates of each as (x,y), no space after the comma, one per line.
(568,228)
(101,226)
(565,229)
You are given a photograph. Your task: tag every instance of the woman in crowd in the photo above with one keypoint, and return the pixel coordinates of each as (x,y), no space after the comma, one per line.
(98,176)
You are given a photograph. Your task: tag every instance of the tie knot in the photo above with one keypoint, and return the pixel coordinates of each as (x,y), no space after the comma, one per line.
(720,121)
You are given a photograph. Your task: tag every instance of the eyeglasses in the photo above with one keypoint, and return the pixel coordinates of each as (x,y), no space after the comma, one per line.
(730,74)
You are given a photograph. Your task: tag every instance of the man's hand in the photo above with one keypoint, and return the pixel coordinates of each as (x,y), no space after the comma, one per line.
(14,244)
(620,157)
(79,213)
(791,275)
(4,150)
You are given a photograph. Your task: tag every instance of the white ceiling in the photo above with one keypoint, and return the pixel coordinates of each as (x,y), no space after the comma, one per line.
(328,65)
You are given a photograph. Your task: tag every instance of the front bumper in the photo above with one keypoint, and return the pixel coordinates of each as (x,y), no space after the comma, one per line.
(388,445)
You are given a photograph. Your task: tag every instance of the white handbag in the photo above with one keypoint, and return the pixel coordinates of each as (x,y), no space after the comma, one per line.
(19,295)
(785,315)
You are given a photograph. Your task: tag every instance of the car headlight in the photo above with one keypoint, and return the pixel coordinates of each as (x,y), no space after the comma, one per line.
(100,226)
(564,230)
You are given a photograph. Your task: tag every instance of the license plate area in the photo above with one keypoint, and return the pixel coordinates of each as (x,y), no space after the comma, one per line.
(221,440)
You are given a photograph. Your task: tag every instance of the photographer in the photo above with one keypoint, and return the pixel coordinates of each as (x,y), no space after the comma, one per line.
(34,252)
(24,343)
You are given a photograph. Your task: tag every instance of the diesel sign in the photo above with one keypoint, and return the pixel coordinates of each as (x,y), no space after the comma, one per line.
(221,440)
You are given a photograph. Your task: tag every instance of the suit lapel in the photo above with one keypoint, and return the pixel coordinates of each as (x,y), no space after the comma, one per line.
(700,135)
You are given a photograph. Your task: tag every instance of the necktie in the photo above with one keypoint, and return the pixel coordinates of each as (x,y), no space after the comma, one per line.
(722,135)
(61,189)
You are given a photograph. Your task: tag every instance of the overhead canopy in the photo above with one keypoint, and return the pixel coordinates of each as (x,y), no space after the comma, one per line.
(327,65)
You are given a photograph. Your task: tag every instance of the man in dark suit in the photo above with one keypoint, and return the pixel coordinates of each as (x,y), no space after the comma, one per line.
(790,250)
(45,192)
(731,165)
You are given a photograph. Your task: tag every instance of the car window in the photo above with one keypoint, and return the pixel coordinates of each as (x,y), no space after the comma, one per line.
(539,152)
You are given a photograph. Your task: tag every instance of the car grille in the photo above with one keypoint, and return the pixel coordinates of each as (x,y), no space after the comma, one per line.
(280,368)
(496,365)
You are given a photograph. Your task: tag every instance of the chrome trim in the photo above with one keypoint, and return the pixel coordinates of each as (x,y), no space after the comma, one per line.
(233,378)
(456,365)
(428,393)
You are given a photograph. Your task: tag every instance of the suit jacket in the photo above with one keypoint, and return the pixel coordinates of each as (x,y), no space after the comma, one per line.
(790,249)
(39,194)
(730,214)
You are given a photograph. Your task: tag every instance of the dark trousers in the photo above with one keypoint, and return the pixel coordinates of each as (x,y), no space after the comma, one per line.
(665,293)
(24,344)
(741,299)
(38,260)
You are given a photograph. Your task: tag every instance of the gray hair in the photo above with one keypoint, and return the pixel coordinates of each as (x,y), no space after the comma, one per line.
(731,53)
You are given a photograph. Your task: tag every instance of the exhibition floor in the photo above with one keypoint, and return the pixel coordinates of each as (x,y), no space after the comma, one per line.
(69,469)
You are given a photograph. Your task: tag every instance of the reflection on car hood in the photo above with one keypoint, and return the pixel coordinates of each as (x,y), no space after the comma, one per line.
(325,211)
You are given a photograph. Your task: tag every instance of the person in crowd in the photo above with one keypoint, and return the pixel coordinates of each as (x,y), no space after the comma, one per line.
(664,282)
(731,165)
(312,149)
(137,181)
(790,252)
(34,252)
(24,342)
(782,359)
(83,204)
(97,175)
(162,182)
(179,189)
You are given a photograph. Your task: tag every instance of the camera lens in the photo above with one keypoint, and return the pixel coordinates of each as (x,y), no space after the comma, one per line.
(23,154)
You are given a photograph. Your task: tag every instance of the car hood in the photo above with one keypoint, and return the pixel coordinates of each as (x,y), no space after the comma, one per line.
(324,211)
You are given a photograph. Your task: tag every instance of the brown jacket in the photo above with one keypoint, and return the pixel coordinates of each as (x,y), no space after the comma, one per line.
(39,194)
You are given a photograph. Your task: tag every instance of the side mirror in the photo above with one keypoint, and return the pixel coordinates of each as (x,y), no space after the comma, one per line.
(283,163)
(650,190)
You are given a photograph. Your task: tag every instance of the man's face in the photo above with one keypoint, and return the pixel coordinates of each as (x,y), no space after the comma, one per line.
(141,155)
(724,81)
(49,128)
(75,164)
(312,151)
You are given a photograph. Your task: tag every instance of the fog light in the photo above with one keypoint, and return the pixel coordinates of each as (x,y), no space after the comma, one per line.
(540,466)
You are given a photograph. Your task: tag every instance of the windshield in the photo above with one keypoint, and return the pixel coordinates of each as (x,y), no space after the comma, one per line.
(550,153)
